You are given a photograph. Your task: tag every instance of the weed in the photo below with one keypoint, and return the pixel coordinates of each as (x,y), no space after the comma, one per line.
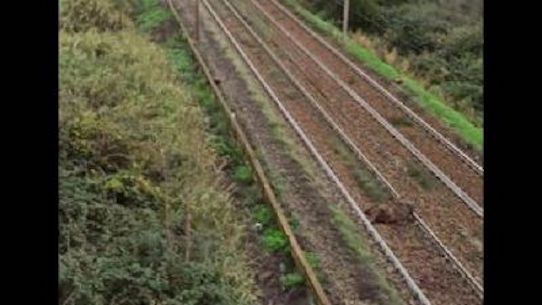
(349,232)
(313,260)
(99,15)
(132,156)
(263,215)
(367,181)
(152,15)
(242,174)
(275,241)
(372,187)
(294,223)
(292,280)
(424,178)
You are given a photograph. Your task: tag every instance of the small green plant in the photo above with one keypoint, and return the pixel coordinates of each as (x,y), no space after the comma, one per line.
(152,16)
(313,260)
(365,179)
(359,246)
(370,185)
(294,223)
(348,230)
(292,280)
(424,179)
(242,174)
(275,241)
(263,215)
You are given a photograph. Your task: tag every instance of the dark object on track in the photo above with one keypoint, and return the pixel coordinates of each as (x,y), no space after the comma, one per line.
(397,212)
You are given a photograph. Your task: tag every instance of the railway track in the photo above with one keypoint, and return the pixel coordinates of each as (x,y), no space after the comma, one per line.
(455,225)
(435,276)
(383,112)
(467,172)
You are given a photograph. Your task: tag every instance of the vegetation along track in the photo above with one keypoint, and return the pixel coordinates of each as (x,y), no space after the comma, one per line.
(438,279)
(453,223)
(457,164)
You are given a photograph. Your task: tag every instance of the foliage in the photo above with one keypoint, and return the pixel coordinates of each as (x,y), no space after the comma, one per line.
(292,280)
(263,215)
(242,174)
(422,176)
(152,15)
(350,233)
(133,160)
(101,15)
(275,241)
(313,260)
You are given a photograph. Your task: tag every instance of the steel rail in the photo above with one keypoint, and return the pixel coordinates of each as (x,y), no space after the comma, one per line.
(413,115)
(329,172)
(471,203)
(361,157)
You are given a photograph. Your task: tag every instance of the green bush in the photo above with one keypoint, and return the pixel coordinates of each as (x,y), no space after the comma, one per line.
(242,174)
(101,15)
(275,241)
(292,280)
(132,157)
(152,15)
(263,215)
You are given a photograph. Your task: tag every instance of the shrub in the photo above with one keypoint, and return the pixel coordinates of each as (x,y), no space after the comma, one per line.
(292,280)
(132,157)
(242,174)
(152,15)
(275,241)
(101,15)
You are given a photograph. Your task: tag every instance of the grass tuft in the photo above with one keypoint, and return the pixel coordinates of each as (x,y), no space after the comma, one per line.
(275,241)
(349,232)
(292,280)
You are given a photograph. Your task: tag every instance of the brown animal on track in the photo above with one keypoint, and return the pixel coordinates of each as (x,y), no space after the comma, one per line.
(397,212)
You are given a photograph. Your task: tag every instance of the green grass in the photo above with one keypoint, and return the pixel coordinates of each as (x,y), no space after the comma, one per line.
(292,280)
(365,179)
(263,215)
(422,176)
(432,103)
(242,174)
(313,260)
(133,156)
(275,241)
(152,15)
(349,232)
(294,223)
